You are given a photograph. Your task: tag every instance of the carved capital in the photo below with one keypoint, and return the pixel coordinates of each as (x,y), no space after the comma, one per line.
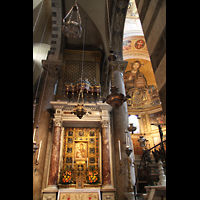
(53,68)
(105,123)
(58,122)
(118,65)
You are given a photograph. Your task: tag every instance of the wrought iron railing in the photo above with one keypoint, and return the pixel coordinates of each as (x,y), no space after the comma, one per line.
(159,153)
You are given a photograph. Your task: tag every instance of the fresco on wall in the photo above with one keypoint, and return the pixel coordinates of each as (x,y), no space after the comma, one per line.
(134,44)
(140,85)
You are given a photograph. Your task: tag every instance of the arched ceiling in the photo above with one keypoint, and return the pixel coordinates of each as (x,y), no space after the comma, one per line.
(96,27)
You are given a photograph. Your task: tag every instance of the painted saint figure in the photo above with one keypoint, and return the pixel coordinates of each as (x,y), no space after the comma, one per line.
(81,152)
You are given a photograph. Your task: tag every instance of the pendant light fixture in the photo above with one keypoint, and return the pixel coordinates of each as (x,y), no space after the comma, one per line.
(115,99)
(131,128)
(72,29)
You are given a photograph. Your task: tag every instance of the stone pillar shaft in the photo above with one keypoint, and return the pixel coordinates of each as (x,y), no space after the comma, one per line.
(120,124)
(55,157)
(106,155)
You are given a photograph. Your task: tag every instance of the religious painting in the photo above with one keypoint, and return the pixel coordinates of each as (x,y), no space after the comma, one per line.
(91,133)
(140,85)
(69,150)
(92,140)
(80,151)
(69,160)
(92,150)
(70,140)
(81,133)
(92,160)
(135,78)
(70,133)
(126,45)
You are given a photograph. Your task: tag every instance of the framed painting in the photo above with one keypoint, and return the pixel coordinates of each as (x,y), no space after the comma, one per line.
(81,149)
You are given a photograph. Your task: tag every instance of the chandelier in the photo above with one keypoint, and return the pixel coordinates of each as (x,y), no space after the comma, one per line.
(72,29)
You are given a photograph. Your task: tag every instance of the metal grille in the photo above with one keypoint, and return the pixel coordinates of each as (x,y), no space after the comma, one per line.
(72,72)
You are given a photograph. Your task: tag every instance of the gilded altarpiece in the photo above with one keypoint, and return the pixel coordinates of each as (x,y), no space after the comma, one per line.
(80,157)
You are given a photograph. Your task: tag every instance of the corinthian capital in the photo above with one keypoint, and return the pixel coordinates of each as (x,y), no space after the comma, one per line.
(53,68)
(105,123)
(57,122)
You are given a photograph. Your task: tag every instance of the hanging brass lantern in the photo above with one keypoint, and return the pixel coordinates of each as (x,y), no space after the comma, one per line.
(72,29)
(131,128)
(115,99)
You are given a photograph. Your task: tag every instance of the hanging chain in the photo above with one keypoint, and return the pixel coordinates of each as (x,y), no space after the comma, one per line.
(83,57)
(110,39)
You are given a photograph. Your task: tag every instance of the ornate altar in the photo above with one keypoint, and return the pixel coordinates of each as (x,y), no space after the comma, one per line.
(73,194)
(80,157)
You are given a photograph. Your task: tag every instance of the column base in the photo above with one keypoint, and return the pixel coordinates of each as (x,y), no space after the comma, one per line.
(129,195)
(108,192)
(50,192)
(108,187)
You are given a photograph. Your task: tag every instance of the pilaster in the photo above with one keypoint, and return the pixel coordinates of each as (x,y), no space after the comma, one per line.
(105,153)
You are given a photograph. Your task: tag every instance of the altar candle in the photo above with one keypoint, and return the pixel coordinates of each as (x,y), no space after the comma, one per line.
(39,151)
(128,143)
(120,156)
(127,140)
(87,162)
(34,134)
(73,162)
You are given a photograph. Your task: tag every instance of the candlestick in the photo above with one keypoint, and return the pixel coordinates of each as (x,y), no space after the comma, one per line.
(87,162)
(39,151)
(128,143)
(73,162)
(34,134)
(127,140)
(120,156)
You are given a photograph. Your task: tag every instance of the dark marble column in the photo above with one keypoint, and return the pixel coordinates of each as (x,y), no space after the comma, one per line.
(55,155)
(106,178)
